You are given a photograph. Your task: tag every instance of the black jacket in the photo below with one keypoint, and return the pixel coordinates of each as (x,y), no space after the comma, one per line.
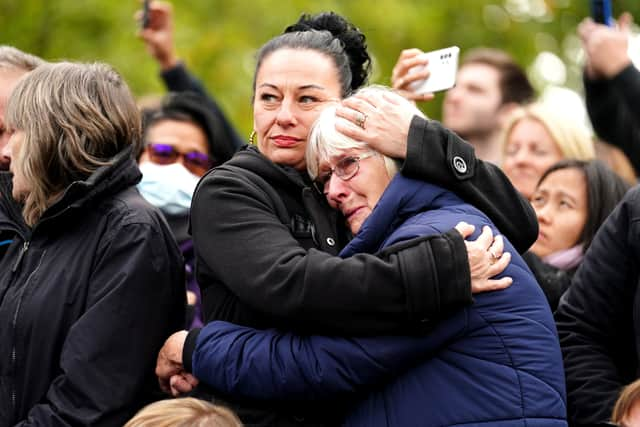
(87,298)
(614,107)
(553,280)
(598,318)
(265,244)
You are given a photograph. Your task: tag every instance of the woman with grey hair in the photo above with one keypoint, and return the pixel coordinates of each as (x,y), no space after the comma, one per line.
(266,241)
(502,345)
(93,280)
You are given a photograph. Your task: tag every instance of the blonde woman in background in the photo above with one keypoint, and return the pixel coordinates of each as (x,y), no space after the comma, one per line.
(535,138)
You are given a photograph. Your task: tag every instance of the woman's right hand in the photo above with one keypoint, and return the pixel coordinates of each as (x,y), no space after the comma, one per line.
(486,259)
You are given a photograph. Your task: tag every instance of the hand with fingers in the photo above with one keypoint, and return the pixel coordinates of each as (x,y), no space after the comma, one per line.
(181,384)
(158,35)
(169,368)
(486,259)
(380,118)
(606,48)
(412,65)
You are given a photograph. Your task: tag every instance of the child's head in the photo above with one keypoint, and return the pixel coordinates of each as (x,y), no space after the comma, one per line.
(184,412)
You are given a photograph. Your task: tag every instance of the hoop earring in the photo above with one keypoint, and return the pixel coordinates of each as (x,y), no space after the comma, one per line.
(252,138)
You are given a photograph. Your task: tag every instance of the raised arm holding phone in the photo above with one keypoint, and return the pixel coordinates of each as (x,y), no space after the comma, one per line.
(156,29)
(612,84)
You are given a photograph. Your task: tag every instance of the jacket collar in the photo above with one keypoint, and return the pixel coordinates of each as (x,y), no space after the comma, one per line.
(250,158)
(403,198)
(106,180)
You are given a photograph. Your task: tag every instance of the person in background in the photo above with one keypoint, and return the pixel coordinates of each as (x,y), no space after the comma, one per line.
(535,138)
(616,160)
(14,64)
(92,282)
(158,38)
(489,86)
(182,141)
(597,317)
(503,344)
(266,240)
(572,200)
(612,85)
(185,412)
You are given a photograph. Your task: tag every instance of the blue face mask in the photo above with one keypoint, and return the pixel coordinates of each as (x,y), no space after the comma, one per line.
(168,187)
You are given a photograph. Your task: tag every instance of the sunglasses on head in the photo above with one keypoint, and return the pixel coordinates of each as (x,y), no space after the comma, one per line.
(164,154)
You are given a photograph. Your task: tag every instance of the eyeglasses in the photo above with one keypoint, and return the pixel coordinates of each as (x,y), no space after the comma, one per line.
(345,169)
(164,154)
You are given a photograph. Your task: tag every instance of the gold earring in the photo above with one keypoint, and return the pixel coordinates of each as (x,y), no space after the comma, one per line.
(252,138)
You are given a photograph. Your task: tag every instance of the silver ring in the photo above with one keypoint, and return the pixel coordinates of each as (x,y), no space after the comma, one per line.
(494,257)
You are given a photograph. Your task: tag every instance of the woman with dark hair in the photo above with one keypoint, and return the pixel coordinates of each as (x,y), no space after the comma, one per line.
(91,284)
(267,241)
(504,344)
(572,200)
(182,141)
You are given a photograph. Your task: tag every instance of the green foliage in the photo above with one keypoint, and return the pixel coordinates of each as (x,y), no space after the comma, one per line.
(218,38)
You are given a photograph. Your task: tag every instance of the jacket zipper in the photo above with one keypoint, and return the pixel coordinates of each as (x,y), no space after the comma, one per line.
(14,323)
(25,247)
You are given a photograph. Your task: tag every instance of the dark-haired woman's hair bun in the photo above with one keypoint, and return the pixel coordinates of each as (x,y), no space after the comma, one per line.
(354,41)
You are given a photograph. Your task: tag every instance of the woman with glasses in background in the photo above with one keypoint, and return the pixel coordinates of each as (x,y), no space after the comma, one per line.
(182,141)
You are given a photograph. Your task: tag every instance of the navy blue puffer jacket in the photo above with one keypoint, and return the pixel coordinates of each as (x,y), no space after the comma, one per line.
(495,363)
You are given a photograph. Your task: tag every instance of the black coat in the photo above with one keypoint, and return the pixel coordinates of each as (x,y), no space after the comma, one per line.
(553,280)
(598,317)
(614,107)
(87,298)
(265,242)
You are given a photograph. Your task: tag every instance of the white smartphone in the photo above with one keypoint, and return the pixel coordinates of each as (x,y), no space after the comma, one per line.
(443,66)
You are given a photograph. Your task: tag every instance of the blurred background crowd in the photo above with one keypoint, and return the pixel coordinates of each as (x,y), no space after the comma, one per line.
(218,38)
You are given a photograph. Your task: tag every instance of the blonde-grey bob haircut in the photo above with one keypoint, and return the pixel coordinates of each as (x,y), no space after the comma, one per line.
(326,142)
(75,118)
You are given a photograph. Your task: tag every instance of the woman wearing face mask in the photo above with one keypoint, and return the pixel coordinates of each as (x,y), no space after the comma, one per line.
(534,139)
(266,240)
(182,141)
(503,345)
(572,200)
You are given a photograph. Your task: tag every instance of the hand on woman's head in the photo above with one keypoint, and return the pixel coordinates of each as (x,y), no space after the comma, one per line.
(380,118)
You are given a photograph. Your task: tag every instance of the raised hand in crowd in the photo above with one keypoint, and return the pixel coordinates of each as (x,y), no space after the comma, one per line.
(158,34)
(606,47)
